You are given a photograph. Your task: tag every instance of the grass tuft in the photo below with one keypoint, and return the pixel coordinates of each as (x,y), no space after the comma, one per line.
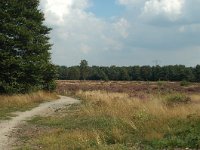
(177,99)
(22,102)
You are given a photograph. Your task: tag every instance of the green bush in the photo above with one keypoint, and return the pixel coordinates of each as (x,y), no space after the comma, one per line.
(184,134)
(177,98)
(184,83)
(50,86)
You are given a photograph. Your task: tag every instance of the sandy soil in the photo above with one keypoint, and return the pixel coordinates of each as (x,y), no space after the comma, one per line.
(7,127)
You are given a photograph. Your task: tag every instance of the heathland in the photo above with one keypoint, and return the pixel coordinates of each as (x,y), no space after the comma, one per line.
(120,115)
(111,115)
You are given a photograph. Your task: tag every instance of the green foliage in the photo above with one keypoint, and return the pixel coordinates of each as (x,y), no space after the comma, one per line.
(124,76)
(145,72)
(73,73)
(136,73)
(84,69)
(197,73)
(177,98)
(102,124)
(24,52)
(182,133)
(184,83)
(62,72)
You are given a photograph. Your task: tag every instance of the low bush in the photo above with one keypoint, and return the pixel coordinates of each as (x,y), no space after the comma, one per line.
(182,133)
(184,83)
(177,98)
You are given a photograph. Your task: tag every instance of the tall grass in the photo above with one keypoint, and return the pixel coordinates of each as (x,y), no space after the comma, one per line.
(107,120)
(120,104)
(21,102)
(151,120)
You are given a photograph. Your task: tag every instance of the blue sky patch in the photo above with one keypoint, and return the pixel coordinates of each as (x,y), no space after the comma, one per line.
(106,8)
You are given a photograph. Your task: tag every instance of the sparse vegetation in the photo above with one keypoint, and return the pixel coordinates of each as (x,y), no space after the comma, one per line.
(119,120)
(133,88)
(177,99)
(22,102)
(159,110)
(184,83)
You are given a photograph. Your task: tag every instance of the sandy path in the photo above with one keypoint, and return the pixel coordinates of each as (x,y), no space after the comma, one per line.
(7,127)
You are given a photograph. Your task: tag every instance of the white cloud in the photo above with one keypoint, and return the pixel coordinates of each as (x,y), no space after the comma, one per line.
(122,27)
(56,11)
(172,9)
(85,48)
(79,34)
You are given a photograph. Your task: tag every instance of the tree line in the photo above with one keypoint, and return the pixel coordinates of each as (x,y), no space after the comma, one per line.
(130,73)
(25,60)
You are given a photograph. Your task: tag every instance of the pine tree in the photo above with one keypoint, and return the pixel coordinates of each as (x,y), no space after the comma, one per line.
(84,69)
(24,48)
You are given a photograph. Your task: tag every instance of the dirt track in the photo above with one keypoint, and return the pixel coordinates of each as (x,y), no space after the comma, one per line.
(7,127)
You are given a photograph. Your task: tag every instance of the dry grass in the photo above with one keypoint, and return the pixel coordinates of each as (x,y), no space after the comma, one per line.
(25,99)
(121,104)
(133,88)
(21,102)
(107,120)
(151,116)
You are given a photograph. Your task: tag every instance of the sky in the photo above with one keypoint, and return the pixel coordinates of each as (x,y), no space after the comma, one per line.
(124,32)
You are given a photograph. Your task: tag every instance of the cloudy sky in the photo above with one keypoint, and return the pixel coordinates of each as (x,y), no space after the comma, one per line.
(124,32)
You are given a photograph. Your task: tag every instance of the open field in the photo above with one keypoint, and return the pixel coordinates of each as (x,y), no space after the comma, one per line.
(120,115)
(130,87)
(23,102)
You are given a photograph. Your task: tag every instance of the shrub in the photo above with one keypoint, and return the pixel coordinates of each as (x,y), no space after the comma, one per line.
(177,98)
(183,133)
(184,83)
(161,84)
